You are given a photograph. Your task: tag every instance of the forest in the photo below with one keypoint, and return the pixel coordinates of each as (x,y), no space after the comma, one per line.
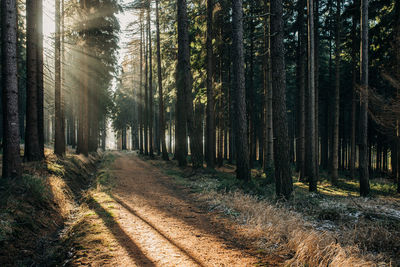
(200,133)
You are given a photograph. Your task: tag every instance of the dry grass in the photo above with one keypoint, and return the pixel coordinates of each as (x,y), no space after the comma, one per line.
(333,228)
(87,237)
(278,229)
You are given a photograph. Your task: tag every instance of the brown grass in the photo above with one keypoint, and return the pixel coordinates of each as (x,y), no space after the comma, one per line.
(276,229)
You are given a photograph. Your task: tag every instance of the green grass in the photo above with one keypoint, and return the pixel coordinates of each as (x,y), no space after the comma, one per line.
(104,174)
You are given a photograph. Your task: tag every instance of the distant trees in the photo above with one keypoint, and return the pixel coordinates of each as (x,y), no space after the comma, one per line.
(223,50)
(11,151)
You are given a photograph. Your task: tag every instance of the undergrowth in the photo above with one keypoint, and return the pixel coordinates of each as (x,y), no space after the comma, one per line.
(332,227)
(34,207)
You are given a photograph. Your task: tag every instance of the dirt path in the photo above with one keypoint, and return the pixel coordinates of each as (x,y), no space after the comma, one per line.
(156,224)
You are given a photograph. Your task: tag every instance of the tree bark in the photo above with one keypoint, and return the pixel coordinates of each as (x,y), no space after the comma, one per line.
(59,142)
(150,69)
(301,83)
(316,80)
(141,100)
(9,73)
(364,170)
(210,109)
(311,101)
(32,148)
(40,88)
(283,176)
(336,110)
(397,48)
(183,81)
(242,148)
(146,93)
(354,85)
(160,90)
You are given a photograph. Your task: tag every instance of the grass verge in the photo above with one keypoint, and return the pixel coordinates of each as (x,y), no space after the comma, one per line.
(330,228)
(34,208)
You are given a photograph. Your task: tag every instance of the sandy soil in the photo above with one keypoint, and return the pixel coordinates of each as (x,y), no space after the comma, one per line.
(158,223)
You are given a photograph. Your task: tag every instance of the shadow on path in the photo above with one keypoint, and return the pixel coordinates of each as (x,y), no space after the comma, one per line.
(188,254)
(123,239)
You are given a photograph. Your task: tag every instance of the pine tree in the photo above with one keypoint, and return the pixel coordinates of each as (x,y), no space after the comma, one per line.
(11,151)
(242,148)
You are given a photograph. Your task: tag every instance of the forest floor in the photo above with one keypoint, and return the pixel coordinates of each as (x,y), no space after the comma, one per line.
(121,209)
(147,212)
(146,219)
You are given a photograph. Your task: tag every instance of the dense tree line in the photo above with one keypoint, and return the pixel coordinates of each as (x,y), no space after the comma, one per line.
(260,84)
(269,84)
(79,77)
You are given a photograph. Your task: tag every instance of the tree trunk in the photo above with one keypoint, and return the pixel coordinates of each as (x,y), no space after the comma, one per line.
(311,101)
(146,93)
(270,134)
(316,80)
(40,88)
(283,176)
(301,83)
(9,73)
(210,109)
(141,100)
(183,81)
(242,148)
(397,48)
(59,142)
(354,85)
(160,91)
(364,170)
(32,148)
(150,69)
(250,91)
(336,110)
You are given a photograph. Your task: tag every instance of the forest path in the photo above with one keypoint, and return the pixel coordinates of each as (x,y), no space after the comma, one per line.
(158,223)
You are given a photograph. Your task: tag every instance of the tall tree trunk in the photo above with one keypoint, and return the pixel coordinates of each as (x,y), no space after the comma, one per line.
(141,99)
(32,148)
(210,109)
(146,93)
(301,83)
(311,101)
(250,92)
(336,110)
(182,82)
(364,170)
(283,176)
(160,90)
(270,133)
(242,148)
(397,48)
(9,73)
(150,69)
(83,127)
(316,80)
(40,88)
(59,142)
(354,48)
